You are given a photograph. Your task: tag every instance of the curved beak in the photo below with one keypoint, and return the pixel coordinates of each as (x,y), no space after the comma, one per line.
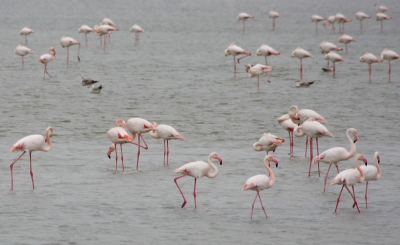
(365,161)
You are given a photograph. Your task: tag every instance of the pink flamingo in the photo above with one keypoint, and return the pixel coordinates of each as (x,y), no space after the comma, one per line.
(136,29)
(333,57)
(138,126)
(25,32)
(337,154)
(86,29)
(381,17)
(31,143)
(66,42)
(327,47)
(243,17)
(312,129)
(197,170)
(268,142)
(46,58)
(103,30)
(371,173)
(389,55)
(346,39)
(265,51)
(316,18)
(235,50)
(108,22)
(289,126)
(301,54)
(341,19)
(330,21)
(369,59)
(361,16)
(350,177)
(261,182)
(257,70)
(380,8)
(22,51)
(166,133)
(273,15)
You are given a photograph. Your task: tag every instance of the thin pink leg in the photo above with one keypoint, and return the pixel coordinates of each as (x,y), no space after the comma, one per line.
(366,195)
(319,172)
(361,26)
(258,193)
(86,38)
(334,69)
(244,27)
(306,146)
(252,206)
(45,71)
(105,41)
(116,157)
(67,57)
(338,200)
(327,67)
(390,70)
(370,70)
(354,198)
(140,146)
(234,67)
(266,62)
(24,63)
(273,28)
(122,157)
(381,26)
(31,171)
(167,153)
(301,68)
(291,143)
(194,193)
(12,172)
(311,156)
(26,40)
(176,182)
(258,88)
(326,177)
(316,27)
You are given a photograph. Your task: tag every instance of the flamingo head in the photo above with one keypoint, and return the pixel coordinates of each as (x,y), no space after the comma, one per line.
(258,146)
(271,158)
(110,150)
(377,157)
(248,66)
(216,156)
(227,53)
(365,161)
(355,135)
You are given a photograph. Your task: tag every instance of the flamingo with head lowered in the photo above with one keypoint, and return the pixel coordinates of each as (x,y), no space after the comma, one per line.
(46,58)
(235,50)
(22,51)
(243,17)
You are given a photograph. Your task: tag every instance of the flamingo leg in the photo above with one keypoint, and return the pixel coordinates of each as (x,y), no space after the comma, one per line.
(167,152)
(252,206)
(370,70)
(258,193)
(366,195)
(234,67)
(79,51)
(258,87)
(122,158)
(390,70)
(346,47)
(86,38)
(238,60)
(140,136)
(316,27)
(45,71)
(31,171)
(381,26)
(311,156)
(326,177)
(334,69)
(116,158)
(136,38)
(354,198)
(290,143)
(266,62)
(273,28)
(194,193)
(301,68)
(176,182)
(23,62)
(327,67)
(319,172)
(67,57)
(361,26)
(338,200)
(26,39)
(12,172)
(244,27)
(105,41)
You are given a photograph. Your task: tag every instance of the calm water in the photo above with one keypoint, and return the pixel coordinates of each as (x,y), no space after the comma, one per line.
(178,75)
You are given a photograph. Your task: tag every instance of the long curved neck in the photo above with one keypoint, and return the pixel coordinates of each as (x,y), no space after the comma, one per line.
(377,167)
(362,176)
(215,172)
(48,147)
(271,174)
(352,146)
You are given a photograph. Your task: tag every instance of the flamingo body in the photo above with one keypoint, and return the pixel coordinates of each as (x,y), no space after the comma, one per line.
(369,59)
(118,135)
(333,57)
(341,20)
(316,18)
(136,29)
(268,142)
(235,50)
(86,30)
(166,133)
(389,55)
(67,42)
(22,51)
(243,17)
(265,50)
(273,14)
(301,54)
(257,71)
(25,32)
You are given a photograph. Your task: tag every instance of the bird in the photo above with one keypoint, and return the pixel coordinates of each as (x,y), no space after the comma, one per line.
(103,30)
(197,170)
(346,39)
(381,17)
(313,129)
(86,29)
(380,8)
(371,173)
(46,58)
(361,16)
(287,124)
(389,55)
(86,81)
(35,142)
(66,42)
(316,18)
(301,54)
(118,135)
(268,142)
(265,50)
(341,19)
(338,154)
(22,51)
(137,125)
(108,22)
(369,59)
(327,47)
(273,15)
(25,32)
(96,90)
(261,182)
(243,17)
(334,57)
(258,70)
(350,177)
(303,84)
(330,21)
(235,50)
(166,133)
(136,29)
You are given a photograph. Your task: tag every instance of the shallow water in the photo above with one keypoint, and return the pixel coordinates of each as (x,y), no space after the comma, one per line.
(178,75)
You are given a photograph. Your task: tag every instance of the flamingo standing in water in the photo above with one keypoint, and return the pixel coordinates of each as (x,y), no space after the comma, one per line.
(136,29)
(197,170)
(268,142)
(235,50)
(258,70)
(273,15)
(330,21)
(86,29)
(31,143)
(25,32)
(46,58)
(327,47)
(103,30)
(265,50)
(380,8)
(334,57)
(361,16)
(22,51)
(381,17)
(350,177)
(371,173)
(108,22)
(341,19)
(289,126)
(316,18)
(166,133)
(389,55)
(243,17)
(337,154)
(66,42)
(261,182)
(301,54)
(138,126)
(369,59)
(346,39)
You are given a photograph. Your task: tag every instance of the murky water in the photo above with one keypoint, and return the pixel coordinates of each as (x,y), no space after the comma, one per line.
(178,75)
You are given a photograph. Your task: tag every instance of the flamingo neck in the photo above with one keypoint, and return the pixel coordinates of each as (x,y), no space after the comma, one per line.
(271,174)
(215,172)
(362,176)
(378,175)
(48,147)
(352,146)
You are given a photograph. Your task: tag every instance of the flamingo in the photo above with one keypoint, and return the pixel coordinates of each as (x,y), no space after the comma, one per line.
(197,170)
(265,51)
(341,19)
(327,47)
(261,182)
(235,50)
(287,124)
(361,16)
(46,58)
(136,29)
(334,57)
(330,21)
(338,154)
(66,42)
(258,70)
(316,18)
(301,54)
(166,133)
(273,15)
(108,22)
(389,55)
(380,8)
(350,177)
(381,17)
(312,129)
(31,143)
(138,126)
(25,32)
(86,29)
(103,30)
(369,59)
(346,39)
(371,173)
(243,17)
(268,142)
(22,51)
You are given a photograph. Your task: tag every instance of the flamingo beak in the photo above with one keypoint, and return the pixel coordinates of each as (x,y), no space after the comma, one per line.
(275,161)
(109,154)
(355,138)
(379,160)
(219,160)
(365,161)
